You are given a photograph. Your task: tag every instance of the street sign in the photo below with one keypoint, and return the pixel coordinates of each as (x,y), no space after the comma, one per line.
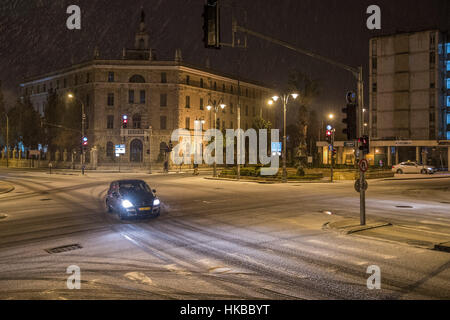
(349,143)
(120,149)
(276,148)
(358,185)
(363,165)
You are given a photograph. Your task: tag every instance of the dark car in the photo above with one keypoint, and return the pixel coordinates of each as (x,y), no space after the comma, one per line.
(132,198)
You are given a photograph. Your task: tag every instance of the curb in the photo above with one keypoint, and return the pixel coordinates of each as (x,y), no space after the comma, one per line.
(423,178)
(11,187)
(356,228)
(265,182)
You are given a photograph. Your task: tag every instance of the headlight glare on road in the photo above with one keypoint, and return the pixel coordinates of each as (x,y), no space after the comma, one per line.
(156,202)
(126,204)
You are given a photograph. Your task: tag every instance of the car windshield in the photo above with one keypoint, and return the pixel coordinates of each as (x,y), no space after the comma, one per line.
(135,186)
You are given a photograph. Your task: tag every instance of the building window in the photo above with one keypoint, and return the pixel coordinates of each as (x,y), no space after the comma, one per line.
(137,121)
(223,87)
(76,80)
(231,108)
(254,111)
(374,47)
(201,83)
(109,149)
(142,96)
(137,79)
(88,100)
(432,40)
(246,110)
(374,87)
(110,122)
(188,80)
(448,101)
(448,83)
(110,99)
(231,125)
(188,123)
(215,86)
(374,64)
(188,101)
(201,104)
(163,100)
(163,122)
(65,83)
(231,89)
(88,77)
(45,88)
(163,77)
(110,76)
(447,65)
(57,84)
(131,96)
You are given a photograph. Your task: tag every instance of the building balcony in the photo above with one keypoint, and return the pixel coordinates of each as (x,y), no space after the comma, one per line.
(134,132)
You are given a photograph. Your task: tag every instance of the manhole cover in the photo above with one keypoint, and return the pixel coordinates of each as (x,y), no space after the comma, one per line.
(404,207)
(66,248)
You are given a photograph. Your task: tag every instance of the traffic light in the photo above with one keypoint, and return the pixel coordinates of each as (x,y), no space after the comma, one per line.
(85,141)
(350,110)
(364,144)
(211,24)
(328,135)
(124,121)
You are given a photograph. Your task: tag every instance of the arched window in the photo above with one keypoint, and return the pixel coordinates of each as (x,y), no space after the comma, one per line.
(109,149)
(141,44)
(136,150)
(137,79)
(137,121)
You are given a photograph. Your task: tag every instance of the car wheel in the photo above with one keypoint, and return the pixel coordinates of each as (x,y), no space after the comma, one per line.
(399,171)
(423,171)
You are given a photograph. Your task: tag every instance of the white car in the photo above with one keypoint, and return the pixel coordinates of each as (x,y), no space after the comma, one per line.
(413,167)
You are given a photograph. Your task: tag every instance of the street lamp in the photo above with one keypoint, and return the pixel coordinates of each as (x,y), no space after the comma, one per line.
(215,107)
(7,139)
(285,99)
(83,119)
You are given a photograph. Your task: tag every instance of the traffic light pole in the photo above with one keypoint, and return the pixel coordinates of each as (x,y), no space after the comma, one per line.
(332,154)
(362,193)
(357,72)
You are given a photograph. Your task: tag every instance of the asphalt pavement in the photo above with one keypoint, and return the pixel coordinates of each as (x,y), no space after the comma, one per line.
(218,240)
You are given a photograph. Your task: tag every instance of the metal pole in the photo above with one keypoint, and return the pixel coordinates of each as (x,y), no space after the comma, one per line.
(332,150)
(7,140)
(83,119)
(362,193)
(284,139)
(215,142)
(239,131)
(150,151)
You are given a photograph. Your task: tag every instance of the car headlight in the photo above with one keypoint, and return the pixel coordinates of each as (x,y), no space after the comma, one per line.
(156,202)
(126,204)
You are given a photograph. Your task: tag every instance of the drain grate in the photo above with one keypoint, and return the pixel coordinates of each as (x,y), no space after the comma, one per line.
(46,199)
(404,207)
(66,248)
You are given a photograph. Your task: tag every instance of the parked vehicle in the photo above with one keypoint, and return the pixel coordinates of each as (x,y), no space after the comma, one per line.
(413,167)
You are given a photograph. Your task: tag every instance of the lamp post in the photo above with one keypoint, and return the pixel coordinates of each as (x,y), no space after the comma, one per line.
(285,99)
(215,107)
(333,132)
(83,119)
(150,149)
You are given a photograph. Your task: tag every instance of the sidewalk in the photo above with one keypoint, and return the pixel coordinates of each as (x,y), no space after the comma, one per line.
(443,175)
(385,231)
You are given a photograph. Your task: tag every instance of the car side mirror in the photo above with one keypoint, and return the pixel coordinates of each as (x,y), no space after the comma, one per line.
(154,190)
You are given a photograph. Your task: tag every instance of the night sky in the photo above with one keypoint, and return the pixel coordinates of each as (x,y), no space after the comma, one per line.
(34,38)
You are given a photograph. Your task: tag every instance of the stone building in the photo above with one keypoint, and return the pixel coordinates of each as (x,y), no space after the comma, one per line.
(157,96)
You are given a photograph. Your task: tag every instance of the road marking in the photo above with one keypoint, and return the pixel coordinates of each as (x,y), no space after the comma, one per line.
(139,277)
(177,270)
(352,249)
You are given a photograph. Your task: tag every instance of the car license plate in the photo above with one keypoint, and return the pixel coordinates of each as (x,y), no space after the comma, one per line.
(144,209)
